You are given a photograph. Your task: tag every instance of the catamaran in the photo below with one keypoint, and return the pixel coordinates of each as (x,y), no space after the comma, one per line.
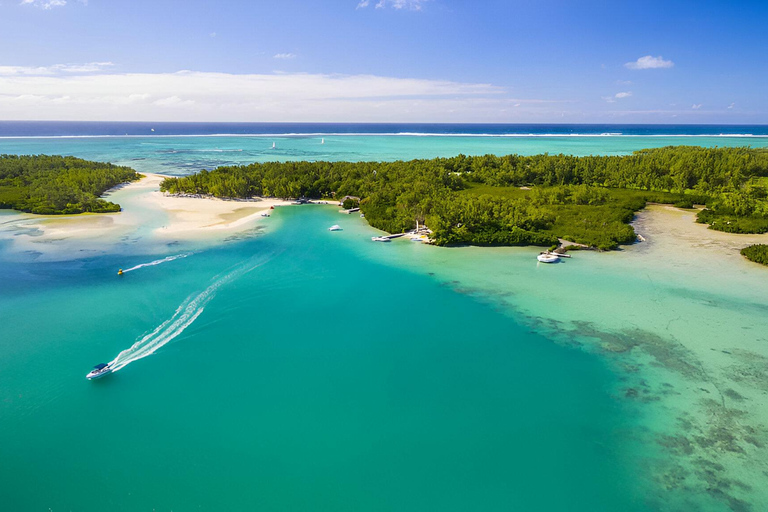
(99,371)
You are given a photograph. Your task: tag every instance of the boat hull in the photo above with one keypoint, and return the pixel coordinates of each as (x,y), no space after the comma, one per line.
(547,258)
(97,375)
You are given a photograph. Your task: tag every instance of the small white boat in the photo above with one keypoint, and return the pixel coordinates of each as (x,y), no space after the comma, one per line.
(418,238)
(99,371)
(380,239)
(265,214)
(548,257)
(274,145)
(335,227)
(322,141)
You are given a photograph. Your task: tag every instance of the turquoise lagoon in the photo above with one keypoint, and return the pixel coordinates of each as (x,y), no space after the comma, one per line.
(293,368)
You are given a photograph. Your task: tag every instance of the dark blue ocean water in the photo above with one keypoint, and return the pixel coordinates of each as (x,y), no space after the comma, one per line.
(82,128)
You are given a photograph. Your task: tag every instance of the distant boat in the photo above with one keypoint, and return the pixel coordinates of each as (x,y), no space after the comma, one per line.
(380,239)
(274,146)
(335,227)
(265,214)
(322,141)
(548,257)
(99,371)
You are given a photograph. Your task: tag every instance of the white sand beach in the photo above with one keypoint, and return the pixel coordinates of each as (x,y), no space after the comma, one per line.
(147,215)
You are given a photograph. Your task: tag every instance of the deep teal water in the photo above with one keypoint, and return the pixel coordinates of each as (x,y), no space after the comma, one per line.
(319,380)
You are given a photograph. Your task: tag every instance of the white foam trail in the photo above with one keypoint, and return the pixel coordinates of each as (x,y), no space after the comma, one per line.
(185,315)
(158,262)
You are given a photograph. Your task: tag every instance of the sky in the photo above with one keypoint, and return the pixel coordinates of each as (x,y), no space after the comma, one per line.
(452,61)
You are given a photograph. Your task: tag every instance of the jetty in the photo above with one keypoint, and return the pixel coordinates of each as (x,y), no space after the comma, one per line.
(555,253)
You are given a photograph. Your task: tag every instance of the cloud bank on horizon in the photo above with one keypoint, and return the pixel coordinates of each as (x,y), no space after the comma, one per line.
(50,93)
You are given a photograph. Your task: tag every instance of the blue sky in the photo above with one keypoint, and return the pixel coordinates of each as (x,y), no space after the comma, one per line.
(384,60)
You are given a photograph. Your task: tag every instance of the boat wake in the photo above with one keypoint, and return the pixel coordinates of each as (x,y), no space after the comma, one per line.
(185,315)
(158,262)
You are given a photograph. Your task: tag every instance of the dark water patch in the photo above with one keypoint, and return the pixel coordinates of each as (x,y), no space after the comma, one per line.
(750,369)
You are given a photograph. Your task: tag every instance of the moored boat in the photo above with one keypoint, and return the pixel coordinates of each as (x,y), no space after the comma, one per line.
(380,239)
(335,227)
(548,257)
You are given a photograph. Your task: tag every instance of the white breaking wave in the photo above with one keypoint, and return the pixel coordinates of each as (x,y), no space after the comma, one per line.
(158,262)
(185,315)
(386,134)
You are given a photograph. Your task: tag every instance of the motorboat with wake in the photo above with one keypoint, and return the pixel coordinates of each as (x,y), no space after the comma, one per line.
(99,371)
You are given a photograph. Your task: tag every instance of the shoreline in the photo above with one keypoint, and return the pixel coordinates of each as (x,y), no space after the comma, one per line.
(148,218)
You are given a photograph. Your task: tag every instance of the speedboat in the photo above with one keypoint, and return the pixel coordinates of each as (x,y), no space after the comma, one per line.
(548,257)
(99,371)
(335,227)
(380,239)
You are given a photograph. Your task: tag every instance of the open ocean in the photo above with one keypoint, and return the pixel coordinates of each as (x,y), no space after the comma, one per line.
(292,369)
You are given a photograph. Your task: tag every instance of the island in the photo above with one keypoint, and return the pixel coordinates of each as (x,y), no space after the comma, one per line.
(514,199)
(55,185)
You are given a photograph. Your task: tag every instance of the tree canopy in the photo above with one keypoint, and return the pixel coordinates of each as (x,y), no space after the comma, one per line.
(588,199)
(58,184)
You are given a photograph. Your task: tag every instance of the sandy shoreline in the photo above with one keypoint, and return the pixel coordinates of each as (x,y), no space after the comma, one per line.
(196,216)
(148,216)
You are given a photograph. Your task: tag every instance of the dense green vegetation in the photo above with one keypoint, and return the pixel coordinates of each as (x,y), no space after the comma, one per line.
(479,200)
(58,184)
(757,253)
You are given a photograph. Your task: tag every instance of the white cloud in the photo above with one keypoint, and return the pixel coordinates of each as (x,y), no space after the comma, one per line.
(47,4)
(88,67)
(696,106)
(649,62)
(618,95)
(731,105)
(285,56)
(623,82)
(411,5)
(202,96)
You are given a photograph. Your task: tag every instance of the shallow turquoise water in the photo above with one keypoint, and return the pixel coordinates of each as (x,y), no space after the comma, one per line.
(319,380)
(183,155)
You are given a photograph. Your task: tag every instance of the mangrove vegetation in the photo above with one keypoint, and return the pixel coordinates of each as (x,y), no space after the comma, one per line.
(757,253)
(58,184)
(518,200)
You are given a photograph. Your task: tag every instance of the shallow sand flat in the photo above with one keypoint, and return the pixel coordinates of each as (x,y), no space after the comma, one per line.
(148,215)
